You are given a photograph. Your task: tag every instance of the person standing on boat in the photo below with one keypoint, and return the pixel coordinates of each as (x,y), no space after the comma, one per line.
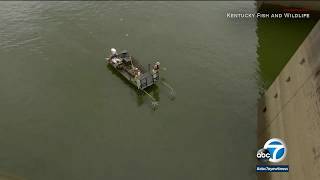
(156,66)
(137,77)
(113,53)
(155,70)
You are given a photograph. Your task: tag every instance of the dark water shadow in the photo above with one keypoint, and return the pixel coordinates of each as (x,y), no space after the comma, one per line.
(278,39)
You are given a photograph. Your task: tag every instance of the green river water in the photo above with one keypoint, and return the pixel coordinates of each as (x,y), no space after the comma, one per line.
(65,115)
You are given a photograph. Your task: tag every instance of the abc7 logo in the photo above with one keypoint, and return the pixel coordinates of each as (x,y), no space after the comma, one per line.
(274,151)
(263,155)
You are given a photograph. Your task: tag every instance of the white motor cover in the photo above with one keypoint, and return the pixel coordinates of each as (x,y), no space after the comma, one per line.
(113,51)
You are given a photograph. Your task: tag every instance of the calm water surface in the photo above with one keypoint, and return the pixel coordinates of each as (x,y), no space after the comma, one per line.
(65,115)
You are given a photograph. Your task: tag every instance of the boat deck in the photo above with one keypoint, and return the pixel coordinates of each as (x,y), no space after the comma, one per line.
(146,78)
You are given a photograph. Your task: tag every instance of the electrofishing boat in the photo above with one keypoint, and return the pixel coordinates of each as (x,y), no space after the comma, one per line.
(132,70)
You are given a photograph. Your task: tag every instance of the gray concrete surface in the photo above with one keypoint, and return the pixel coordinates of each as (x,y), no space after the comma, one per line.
(290,110)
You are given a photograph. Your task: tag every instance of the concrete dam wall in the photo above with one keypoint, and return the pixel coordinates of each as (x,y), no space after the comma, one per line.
(290,110)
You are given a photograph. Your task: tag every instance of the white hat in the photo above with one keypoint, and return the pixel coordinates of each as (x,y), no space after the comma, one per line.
(113,51)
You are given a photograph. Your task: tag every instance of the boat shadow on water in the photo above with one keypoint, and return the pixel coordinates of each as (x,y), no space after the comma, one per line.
(154,90)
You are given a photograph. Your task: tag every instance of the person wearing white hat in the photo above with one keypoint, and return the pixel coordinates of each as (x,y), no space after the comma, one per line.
(113,53)
(155,70)
(157,65)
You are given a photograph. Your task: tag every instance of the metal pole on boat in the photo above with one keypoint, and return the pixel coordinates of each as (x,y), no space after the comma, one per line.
(131,63)
(154,102)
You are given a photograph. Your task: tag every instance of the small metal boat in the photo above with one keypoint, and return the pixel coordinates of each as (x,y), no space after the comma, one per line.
(132,70)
